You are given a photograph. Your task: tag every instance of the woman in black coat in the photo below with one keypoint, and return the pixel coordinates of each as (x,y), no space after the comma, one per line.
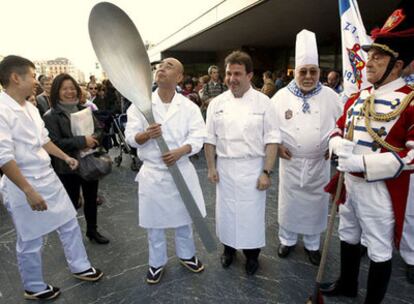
(64,97)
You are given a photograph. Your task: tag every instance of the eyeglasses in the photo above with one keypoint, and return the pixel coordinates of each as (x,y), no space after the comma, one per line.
(94,88)
(304,72)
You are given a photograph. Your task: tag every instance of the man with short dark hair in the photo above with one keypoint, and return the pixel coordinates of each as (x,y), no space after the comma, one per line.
(92,88)
(241,131)
(334,81)
(33,194)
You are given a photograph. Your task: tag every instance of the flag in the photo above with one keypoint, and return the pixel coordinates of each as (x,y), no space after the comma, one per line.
(353,37)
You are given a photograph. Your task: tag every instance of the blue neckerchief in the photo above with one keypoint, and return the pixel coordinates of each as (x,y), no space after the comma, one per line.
(409,79)
(294,89)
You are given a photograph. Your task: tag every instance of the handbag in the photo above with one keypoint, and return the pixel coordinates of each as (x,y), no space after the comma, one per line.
(95,165)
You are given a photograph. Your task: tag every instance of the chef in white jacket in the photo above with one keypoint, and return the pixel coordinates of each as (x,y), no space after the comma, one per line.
(241,130)
(306,113)
(180,122)
(32,192)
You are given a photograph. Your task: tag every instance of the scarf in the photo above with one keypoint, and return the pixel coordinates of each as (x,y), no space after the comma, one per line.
(295,90)
(68,108)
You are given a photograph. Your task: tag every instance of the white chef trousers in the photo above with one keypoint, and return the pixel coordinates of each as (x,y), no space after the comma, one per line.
(367,216)
(407,240)
(29,255)
(157,244)
(288,238)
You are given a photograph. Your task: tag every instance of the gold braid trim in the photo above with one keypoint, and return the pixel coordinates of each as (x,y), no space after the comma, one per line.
(368,108)
(386,48)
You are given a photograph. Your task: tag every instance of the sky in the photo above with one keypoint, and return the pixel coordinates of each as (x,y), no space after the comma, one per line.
(47,29)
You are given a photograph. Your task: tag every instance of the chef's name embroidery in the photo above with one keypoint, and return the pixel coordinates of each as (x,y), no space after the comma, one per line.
(257,113)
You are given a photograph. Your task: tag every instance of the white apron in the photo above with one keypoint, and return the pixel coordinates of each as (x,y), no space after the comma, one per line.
(31,224)
(303,204)
(22,136)
(240,128)
(240,208)
(160,203)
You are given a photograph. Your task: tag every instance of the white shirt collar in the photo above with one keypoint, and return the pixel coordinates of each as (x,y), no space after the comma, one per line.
(246,94)
(157,100)
(10,102)
(389,87)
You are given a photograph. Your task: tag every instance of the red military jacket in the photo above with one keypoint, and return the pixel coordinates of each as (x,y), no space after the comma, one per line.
(395,168)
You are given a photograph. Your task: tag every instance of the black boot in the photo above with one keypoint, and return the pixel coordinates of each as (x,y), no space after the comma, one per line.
(378,278)
(410,274)
(227,257)
(94,235)
(347,284)
(252,260)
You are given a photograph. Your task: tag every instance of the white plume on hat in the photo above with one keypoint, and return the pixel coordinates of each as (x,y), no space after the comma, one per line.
(306,49)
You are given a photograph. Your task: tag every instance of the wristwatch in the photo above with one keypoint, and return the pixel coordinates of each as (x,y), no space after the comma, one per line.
(267,172)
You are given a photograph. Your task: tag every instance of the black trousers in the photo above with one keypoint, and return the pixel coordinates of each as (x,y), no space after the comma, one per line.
(73,184)
(251,254)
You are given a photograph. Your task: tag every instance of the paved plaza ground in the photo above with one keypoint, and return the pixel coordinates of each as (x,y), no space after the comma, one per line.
(124,261)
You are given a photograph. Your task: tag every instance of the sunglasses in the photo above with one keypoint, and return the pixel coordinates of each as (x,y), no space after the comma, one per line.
(94,88)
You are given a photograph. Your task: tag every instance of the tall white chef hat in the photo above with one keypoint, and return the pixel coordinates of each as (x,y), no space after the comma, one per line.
(306,49)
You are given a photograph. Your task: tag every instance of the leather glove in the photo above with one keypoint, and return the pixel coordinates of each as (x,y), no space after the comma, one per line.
(338,144)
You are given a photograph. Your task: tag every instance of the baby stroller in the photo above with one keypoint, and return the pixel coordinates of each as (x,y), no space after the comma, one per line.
(106,118)
(119,124)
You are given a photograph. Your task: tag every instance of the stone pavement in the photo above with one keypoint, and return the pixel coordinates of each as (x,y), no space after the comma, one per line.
(124,261)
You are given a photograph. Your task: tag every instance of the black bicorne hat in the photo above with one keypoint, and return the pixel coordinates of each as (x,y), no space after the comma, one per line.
(396,37)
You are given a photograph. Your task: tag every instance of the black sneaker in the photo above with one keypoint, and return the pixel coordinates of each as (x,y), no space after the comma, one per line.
(91,275)
(154,274)
(193,264)
(49,293)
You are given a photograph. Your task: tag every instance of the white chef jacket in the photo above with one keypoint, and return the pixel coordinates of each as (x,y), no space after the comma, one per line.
(240,128)
(22,136)
(303,204)
(160,204)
